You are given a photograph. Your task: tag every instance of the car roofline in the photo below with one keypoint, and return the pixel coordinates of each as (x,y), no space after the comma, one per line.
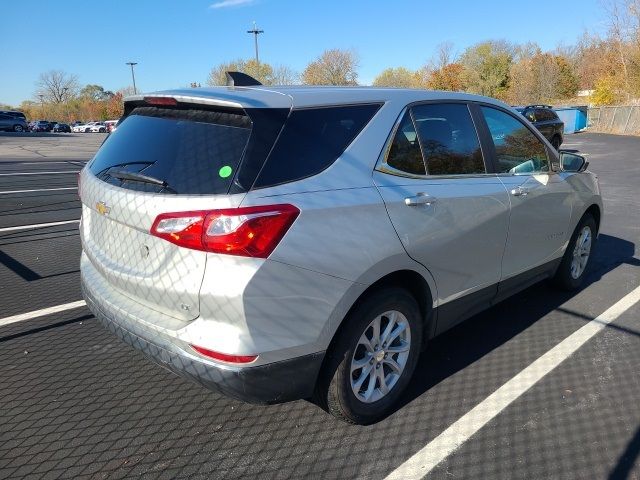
(307,96)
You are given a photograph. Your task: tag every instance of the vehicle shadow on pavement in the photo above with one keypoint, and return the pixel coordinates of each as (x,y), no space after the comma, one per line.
(627,460)
(473,339)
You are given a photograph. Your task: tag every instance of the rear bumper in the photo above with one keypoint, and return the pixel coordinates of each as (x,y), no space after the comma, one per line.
(271,383)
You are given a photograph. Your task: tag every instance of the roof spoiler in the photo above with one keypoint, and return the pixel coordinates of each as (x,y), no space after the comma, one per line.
(239,79)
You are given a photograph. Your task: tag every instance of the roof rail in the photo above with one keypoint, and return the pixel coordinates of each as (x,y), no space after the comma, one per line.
(539,106)
(239,79)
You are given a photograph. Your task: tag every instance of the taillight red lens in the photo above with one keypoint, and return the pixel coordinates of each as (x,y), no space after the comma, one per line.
(160,101)
(224,356)
(246,231)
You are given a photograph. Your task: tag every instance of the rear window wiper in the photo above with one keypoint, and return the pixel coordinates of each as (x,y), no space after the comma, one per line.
(138,177)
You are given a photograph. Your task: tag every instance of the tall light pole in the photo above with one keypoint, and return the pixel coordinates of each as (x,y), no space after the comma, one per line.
(256,32)
(133,76)
(64,98)
(41,104)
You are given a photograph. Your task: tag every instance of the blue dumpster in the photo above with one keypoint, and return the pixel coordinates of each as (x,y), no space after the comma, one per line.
(574,118)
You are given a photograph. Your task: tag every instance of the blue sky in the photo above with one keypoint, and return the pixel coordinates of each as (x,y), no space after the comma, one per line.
(177,42)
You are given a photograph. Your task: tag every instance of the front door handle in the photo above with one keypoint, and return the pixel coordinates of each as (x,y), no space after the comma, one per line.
(420,199)
(520,192)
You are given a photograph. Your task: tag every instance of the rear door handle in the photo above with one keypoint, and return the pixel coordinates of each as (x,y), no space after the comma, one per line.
(520,192)
(420,199)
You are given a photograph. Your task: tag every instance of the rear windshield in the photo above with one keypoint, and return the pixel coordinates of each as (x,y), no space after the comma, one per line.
(174,151)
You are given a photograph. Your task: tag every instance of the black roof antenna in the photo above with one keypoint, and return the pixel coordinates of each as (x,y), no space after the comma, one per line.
(239,79)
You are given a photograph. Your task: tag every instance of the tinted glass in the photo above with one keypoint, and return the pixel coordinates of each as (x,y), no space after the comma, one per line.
(529,115)
(311,140)
(449,140)
(193,151)
(518,150)
(405,154)
(544,115)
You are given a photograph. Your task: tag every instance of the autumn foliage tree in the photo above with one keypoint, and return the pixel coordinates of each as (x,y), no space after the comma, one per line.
(333,67)
(450,77)
(398,77)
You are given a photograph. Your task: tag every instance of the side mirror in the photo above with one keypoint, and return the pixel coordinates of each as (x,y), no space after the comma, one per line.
(572,162)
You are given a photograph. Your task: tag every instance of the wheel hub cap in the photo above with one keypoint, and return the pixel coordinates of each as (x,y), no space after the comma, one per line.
(380,356)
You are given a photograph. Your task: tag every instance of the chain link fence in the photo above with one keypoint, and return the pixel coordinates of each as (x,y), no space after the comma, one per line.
(623,120)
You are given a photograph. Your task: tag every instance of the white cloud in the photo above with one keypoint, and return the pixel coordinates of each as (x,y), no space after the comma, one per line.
(231,3)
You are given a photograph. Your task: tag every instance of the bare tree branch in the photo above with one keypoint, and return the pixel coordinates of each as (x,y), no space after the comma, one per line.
(57,86)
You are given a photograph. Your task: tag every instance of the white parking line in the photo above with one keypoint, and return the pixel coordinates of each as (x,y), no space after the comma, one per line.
(459,432)
(37,173)
(36,225)
(41,313)
(38,190)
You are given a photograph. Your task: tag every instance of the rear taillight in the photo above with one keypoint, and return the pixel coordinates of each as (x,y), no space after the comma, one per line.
(246,231)
(225,357)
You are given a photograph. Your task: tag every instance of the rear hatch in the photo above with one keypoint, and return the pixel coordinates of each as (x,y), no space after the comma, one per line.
(162,158)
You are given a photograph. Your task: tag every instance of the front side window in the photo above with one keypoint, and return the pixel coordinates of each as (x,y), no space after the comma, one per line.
(448,138)
(518,150)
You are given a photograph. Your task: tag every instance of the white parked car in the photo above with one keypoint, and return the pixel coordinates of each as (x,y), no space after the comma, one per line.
(80,128)
(98,127)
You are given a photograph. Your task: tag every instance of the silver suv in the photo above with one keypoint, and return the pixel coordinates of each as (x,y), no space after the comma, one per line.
(278,243)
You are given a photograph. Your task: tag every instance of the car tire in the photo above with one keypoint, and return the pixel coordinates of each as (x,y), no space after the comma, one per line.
(102,130)
(18,128)
(575,262)
(87,130)
(342,376)
(556,141)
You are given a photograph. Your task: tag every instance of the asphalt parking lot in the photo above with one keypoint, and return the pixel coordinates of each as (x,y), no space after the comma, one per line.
(75,402)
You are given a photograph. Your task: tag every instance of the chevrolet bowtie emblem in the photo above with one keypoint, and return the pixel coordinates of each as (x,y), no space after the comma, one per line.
(102,208)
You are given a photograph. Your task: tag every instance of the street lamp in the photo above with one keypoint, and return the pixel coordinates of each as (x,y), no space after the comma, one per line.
(41,104)
(64,99)
(255,33)
(131,64)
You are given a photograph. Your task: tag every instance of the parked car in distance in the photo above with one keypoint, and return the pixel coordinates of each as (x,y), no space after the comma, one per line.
(62,127)
(278,243)
(13,123)
(98,127)
(41,126)
(14,113)
(546,120)
(84,127)
(110,125)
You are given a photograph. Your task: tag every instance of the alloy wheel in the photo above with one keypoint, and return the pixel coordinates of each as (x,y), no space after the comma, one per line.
(581,252)
(380,356)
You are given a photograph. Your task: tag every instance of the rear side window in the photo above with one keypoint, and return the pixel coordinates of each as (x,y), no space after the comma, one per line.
(448,138)
(311,140)
(544,115)
(178,151)
(404,153)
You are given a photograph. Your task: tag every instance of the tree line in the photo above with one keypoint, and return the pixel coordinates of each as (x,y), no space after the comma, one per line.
(597,69)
